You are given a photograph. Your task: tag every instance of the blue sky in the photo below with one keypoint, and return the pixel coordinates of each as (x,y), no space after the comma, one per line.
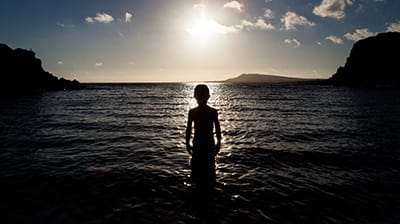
(184,40)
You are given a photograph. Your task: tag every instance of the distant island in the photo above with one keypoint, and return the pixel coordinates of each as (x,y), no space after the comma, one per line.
(22,73)
(373,61)
(261,78)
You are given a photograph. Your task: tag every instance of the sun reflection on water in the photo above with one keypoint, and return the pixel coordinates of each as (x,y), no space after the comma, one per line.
(220,101)
(215,94)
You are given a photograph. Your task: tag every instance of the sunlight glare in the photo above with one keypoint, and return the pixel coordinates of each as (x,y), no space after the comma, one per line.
(201,28)
(215,94)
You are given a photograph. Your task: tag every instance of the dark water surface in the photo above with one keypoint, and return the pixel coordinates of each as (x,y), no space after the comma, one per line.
(116,154)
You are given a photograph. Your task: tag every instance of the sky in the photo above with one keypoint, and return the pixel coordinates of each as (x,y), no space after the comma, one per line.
(187,40)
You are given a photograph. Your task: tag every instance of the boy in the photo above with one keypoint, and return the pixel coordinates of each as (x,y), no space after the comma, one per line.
(204,149)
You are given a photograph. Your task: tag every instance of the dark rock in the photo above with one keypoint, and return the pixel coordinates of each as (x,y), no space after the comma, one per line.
(373,61)
(21,72)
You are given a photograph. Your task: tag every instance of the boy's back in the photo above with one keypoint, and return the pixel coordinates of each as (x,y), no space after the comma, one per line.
(204,149)
(203,118)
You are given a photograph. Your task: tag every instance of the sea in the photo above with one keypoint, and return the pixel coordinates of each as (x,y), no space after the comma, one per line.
(115,153)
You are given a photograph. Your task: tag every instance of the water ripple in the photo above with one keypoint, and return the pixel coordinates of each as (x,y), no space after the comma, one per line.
(116,153)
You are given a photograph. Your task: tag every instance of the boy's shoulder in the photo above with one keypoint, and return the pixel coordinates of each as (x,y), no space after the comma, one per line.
(211,109)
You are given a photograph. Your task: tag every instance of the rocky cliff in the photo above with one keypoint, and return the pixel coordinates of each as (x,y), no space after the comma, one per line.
(21,72)
(373,61)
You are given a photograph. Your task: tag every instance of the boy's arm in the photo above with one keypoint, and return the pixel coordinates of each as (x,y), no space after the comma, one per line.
(189,133)
(218,133)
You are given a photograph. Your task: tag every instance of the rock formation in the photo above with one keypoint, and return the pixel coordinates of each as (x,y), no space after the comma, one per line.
(373,61)
(259,78)
(21,72)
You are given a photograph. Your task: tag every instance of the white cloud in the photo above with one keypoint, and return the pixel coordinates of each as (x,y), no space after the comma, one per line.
(394,27)
(290,20)
(222,29)
(98,64)
(292,41)
(89,20)
(212,27)
(268,14)
(63,25)
(359,34)
(259,24)
(334,39)
(234,5)
(101,18)
(60,63)
(128,17)
(332,8)
(205,26)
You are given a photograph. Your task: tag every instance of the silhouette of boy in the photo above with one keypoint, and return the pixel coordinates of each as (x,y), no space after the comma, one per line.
(204,149)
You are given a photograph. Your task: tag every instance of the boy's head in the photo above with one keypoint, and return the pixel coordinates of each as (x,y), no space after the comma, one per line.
(201,93)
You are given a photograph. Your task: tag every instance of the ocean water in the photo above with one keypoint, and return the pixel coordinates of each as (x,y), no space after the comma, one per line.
(115,153)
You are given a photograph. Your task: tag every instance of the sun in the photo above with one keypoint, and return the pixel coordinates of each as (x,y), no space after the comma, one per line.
(201,28)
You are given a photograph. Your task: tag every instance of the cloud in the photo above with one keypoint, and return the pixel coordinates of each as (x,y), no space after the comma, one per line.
(332,8)
(334,39)
(98,64)
(359,34)
(292,41)
(290,20)
(268,13)
(394,27)
(222,29)
(206,26)
(259,24)
(101,18)
(212,27)
(63,25)
(128,17)
(234,5)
